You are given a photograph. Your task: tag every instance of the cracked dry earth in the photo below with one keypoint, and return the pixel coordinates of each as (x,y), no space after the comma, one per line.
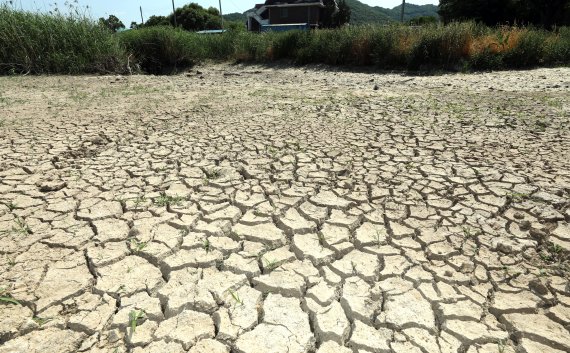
(253,209)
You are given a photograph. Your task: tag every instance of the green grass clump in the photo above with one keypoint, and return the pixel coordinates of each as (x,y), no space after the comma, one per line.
(160,49)
(56,43)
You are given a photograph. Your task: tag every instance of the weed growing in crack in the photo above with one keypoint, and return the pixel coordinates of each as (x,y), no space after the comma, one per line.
(21,227)
(546,257)
(11,206)
(139,200)
(213,173)
(272,152)
(501,346)
(270,265)
(556,249)
(206,245)
(42,320)
(134,317)
(167,200)
(518,197)
(321,238)
(378,237)
(470,233)
(137,246)
(6,297)
(235,296)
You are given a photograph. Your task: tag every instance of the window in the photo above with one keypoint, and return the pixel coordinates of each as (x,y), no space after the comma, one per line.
(284,12)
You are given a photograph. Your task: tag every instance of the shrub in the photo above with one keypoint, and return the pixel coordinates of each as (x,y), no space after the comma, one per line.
(529,50)
(160,50)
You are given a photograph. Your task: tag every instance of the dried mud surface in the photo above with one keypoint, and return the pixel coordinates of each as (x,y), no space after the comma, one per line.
(252,209)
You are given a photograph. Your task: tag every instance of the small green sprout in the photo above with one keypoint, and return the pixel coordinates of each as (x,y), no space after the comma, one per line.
(134,317)
(137,246)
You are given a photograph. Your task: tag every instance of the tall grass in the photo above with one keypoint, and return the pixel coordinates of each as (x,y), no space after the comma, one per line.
(68,43)
(453,47)
(57,43)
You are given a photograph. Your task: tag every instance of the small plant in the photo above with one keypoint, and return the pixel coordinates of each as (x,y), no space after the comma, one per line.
(134,317)
(213,173)
(378,237)
(518,197)
(42,320)
(21,227)
(546,256)
(270,265)
(501,346)
(11,206)
(138,201)
(137,246)
(6,297)
(235,296)
(322,239)
(167,200)
(470,233)
(556,249)
(272,152)
(206,245)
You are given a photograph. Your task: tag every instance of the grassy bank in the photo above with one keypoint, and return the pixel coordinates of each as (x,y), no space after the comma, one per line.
(56,43)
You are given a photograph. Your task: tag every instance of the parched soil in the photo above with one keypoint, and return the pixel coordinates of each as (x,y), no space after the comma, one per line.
(259,209)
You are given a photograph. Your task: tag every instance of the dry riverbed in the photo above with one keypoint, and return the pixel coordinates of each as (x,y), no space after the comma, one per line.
(253,209)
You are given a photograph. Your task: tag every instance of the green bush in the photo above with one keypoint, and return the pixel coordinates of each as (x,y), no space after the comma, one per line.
(160,50)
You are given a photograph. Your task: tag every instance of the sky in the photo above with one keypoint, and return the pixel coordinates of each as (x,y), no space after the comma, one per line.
(128,10)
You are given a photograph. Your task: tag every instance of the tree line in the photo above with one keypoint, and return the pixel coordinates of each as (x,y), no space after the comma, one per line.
(542,13)
(193,17)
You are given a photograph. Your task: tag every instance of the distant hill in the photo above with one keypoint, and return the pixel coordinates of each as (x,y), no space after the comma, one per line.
(362,13)
(414,11)
(236,16)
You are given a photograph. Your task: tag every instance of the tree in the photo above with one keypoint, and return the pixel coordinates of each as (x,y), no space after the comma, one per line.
(490,12)
(343,15)
(336,14)
(134,25)
(157,21)
(423,20)
(546,13)
(112,22)
(193,17)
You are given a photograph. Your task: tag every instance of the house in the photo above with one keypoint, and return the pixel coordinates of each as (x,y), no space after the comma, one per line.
(288,14)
